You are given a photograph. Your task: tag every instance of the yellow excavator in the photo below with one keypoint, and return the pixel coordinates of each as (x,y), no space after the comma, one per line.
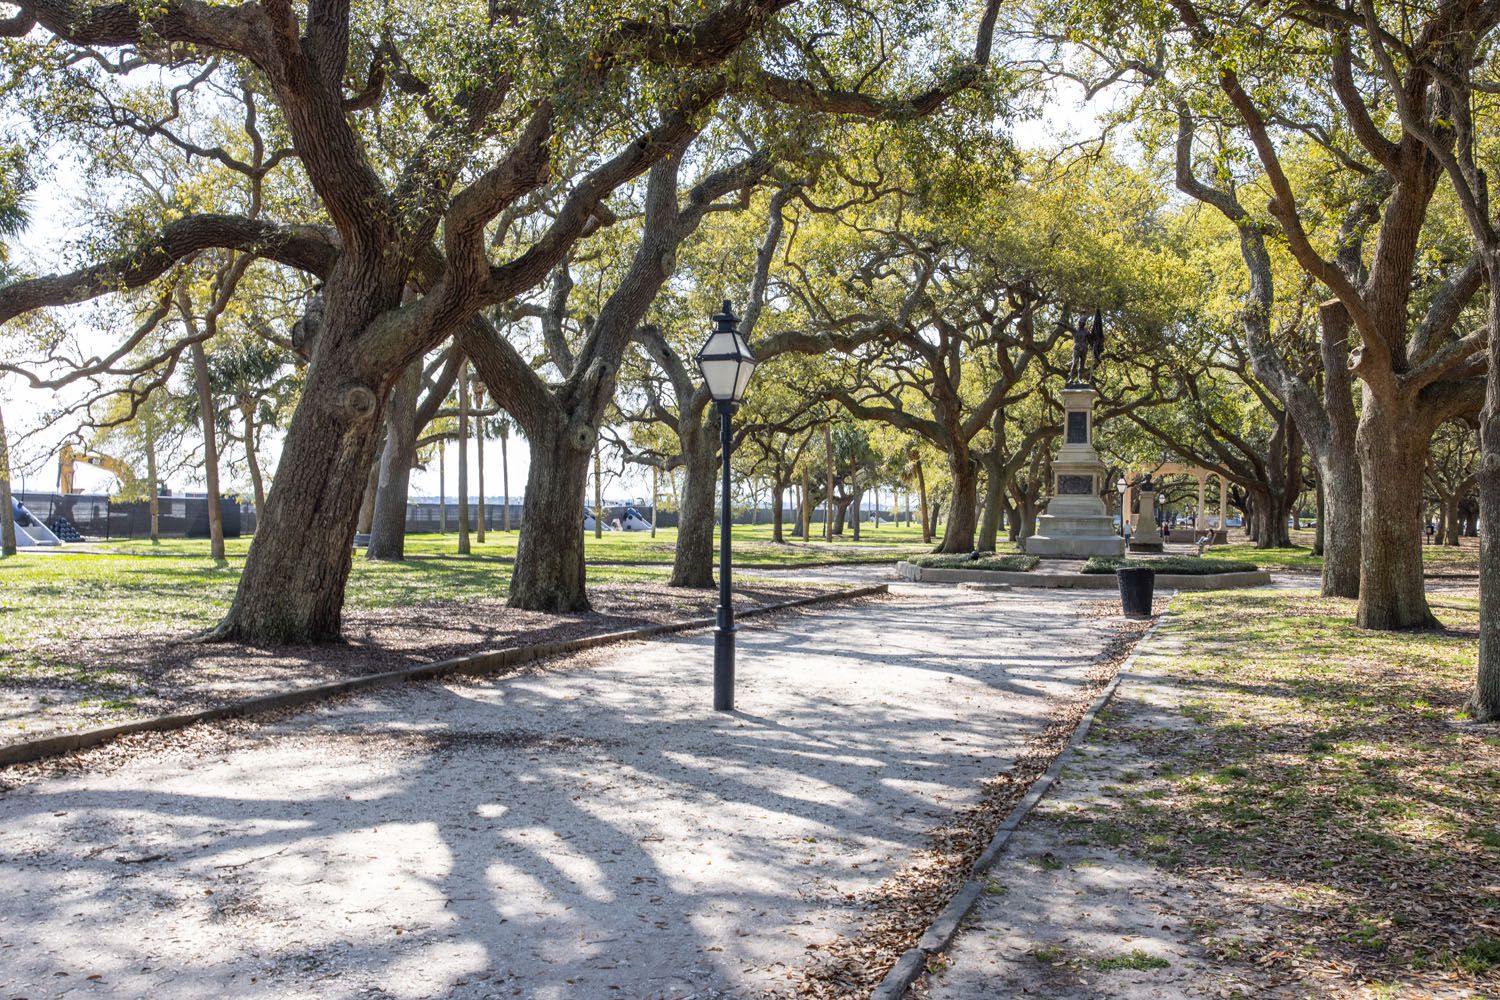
(69,456)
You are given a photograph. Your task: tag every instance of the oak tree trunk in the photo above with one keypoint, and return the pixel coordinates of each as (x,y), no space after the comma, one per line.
(1484,706)
(154,490)
(806,509)
(778,494)
(1392,451)
(479,470)
(1317,546)
(210,452)
(598,496)
(994,503)
(388,528)
(505,482)
(463,462)
(693,563)
(367,501)
(922,504)
(549,570)
(256,481)
(828,457)
(963,512)
(292,588)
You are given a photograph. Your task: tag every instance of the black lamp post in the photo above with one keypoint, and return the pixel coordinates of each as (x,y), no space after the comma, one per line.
(726,363)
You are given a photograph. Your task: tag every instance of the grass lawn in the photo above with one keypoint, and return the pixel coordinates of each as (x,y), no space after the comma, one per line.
(752,547)
(50,597)
(133,585)
(1437,558)
(1320,782)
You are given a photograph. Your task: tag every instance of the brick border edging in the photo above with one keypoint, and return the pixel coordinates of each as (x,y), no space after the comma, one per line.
(490,661)
(944,927)
(1080,581)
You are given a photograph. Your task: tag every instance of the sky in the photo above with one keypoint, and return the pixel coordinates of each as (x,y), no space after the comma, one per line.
(53,215)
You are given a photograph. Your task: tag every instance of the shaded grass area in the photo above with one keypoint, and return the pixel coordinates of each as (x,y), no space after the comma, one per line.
(1321,779)
(92,638)
(1182,565)
(52,597)
(1009,562)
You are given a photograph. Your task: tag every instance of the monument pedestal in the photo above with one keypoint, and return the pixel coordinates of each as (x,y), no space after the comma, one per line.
(1076,522)
(1146,535)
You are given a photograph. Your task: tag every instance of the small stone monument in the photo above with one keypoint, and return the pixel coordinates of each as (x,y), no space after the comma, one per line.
(1076,522)
(1146,535)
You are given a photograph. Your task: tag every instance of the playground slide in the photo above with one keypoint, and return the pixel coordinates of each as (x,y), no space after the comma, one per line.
(31,532)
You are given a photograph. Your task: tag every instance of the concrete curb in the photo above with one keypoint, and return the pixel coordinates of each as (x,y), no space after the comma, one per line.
(945,925)
(1080,581)
(486,662)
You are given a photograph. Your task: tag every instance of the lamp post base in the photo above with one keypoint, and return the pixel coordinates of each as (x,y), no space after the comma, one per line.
(724,669)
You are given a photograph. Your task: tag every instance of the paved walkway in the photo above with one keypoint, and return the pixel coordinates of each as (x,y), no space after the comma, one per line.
(1068,918)
(590,829)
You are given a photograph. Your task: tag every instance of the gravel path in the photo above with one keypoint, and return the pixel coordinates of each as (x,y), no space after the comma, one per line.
(587,829)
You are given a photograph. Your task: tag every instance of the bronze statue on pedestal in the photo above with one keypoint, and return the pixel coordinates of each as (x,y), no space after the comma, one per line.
(1085,342)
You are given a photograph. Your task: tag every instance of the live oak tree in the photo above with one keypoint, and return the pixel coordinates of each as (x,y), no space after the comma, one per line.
(775,431)
(430,145)
(1322,85)
(1222,418)
(949,302)
(415,401)
(1446,54)
(1452,475)
(669,400)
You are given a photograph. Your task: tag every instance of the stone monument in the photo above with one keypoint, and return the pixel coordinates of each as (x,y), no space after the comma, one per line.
(1146,535)
(1076,522)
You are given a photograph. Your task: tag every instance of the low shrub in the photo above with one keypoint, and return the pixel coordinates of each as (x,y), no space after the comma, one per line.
(1010,562)
(1183,565)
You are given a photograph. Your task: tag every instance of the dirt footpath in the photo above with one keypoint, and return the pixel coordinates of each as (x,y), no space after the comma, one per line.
(585,830)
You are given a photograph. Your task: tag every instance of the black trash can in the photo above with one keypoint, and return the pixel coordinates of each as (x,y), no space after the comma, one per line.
(1137,583)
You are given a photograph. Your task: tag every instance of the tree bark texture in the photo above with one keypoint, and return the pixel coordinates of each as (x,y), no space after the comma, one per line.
(549,569)
(598,495)
(1484,706)
(693,562)
(1392,457)
(154,492)
(367,500)
(828,457)
(921,502)
(1318,532)
(292,589)
(479,472)
(994,503)
(963,509)
(505,480)
(388,528)
(463,463)
(257,482)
